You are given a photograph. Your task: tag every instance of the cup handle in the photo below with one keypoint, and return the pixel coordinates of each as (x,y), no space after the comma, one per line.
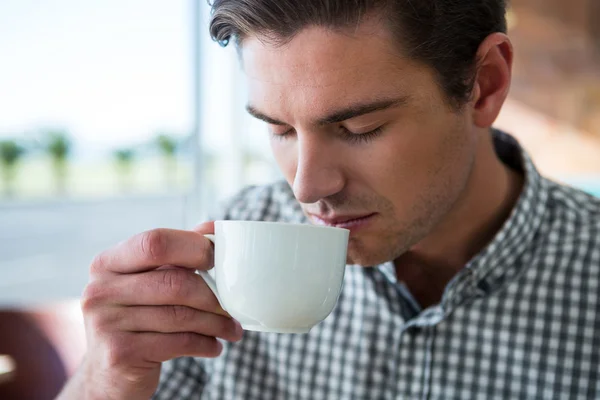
(208,278)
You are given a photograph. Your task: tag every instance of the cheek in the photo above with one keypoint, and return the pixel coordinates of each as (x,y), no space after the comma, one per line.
(413,162)
(395,162)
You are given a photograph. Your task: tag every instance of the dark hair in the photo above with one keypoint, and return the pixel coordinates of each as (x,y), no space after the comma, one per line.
(443,34)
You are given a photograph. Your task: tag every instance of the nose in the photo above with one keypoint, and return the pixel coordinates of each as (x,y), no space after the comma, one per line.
(318,171)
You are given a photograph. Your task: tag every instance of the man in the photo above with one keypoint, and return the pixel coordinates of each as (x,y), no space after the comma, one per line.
(471,276)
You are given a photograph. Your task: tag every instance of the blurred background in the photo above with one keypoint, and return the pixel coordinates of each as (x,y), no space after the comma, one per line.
(122,116)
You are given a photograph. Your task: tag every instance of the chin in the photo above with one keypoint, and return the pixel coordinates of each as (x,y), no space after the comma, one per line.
(365,261)
(359,254)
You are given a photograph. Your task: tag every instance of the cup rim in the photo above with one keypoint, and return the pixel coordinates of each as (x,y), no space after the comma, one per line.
(278,223)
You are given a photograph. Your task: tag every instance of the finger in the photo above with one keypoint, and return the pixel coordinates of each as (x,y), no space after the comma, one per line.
(205,228)
(173,319)
(172,286)
(151,249)
(159,347)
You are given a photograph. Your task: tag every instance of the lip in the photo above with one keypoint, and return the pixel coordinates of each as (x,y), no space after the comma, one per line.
(351,222)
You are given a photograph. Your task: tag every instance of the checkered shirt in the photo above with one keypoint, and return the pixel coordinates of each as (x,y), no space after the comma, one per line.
(520,321)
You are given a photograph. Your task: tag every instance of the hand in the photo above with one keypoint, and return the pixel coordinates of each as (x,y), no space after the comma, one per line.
(144,305)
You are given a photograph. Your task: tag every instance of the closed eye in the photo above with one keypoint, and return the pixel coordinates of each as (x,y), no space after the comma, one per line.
(360,138)
(283,135)
(345,134)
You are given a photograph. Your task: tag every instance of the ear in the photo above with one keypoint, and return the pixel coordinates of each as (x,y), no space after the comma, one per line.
(492,81)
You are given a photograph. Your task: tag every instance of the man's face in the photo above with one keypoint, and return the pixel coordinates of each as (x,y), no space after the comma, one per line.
(363,136)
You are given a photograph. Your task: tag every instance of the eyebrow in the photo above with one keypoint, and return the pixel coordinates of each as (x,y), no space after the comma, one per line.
(347,113)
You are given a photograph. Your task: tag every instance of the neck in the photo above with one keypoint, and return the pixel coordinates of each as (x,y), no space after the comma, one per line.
(480,212)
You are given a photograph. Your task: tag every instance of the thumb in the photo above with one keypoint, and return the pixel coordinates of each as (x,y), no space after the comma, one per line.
(205,227)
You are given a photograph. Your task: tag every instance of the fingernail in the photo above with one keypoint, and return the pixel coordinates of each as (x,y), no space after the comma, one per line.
(221,311)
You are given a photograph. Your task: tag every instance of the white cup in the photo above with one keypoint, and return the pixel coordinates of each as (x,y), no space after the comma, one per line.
(277,277)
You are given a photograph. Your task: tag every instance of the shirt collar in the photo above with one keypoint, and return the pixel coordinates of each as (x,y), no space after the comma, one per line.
(497,262)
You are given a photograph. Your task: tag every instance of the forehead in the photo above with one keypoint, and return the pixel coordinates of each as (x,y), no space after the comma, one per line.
(320,69)
(317,53)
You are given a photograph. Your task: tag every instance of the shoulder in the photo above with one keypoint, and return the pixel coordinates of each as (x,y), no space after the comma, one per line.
(273,202)
(571,227)
(573,209)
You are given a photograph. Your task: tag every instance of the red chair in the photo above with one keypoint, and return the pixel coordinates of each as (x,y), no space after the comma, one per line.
(46,343)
